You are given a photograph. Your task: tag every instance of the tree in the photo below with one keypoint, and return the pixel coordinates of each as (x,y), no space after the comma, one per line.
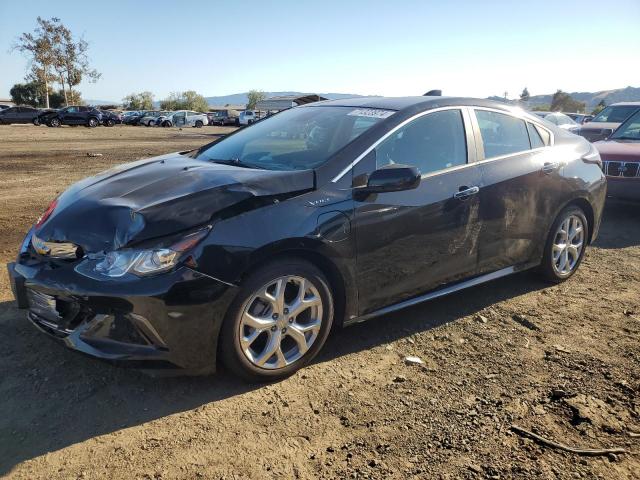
(72,61)
(55,55)
(601,106)
(138,101)
(562,101)
(39,48)
(524,96)
(253,97)
(31,93)
(189,100)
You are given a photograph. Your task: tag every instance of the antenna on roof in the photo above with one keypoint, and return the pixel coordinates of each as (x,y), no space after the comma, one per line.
(433,93)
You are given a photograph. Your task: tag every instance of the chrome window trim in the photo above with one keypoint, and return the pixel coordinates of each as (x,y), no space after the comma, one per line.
(345,170)
(469,119)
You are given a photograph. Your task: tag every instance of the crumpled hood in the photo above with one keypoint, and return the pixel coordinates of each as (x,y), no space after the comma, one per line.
(155,197)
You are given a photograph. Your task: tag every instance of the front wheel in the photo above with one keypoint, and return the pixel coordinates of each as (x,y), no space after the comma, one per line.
(199,124)
(110,123)
(565,245)
(92,123)
(54,122)
(278,322)
(36,122)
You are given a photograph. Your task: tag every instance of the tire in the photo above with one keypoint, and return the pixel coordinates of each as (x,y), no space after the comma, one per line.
(293,351)
(54,122)
(110,123)
(199,124)
(92,122)
(559,264)
(150,123)
(166,124)
(36,122)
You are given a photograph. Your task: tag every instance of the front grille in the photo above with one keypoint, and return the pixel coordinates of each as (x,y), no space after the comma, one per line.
(621,169)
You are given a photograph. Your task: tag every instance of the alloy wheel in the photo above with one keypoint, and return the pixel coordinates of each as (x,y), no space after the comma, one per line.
(567,245)
(280,322)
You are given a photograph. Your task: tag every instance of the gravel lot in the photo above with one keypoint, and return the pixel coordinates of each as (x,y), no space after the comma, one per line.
(562,361)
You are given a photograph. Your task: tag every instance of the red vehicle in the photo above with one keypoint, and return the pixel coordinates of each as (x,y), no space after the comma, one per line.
(620,155)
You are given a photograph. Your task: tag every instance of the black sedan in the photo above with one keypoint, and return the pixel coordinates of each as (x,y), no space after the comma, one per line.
(20,115)
(251,247)
(72,115)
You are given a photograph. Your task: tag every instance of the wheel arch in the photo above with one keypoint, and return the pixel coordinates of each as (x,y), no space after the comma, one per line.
(338,277)
(587,208)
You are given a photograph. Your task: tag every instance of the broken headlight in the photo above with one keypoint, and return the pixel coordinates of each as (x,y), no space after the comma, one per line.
(140,262)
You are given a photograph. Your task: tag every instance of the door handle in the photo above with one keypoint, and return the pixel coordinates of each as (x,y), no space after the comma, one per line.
(465,192)
(550,167)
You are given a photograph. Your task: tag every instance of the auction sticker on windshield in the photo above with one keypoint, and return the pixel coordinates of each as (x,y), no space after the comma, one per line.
(371,112)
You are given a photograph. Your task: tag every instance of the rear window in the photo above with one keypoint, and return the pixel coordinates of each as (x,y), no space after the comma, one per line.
(502,134)
(534,136)
(616,114)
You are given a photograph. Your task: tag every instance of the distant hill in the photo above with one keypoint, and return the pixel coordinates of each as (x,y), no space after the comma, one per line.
(591,99)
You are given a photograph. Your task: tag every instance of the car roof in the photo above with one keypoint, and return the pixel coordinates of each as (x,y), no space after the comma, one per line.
(401,103)
(635,104)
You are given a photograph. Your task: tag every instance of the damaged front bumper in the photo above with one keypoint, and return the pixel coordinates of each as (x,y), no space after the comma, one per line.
(161,323)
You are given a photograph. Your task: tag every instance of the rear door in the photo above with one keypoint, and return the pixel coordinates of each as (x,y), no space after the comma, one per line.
(521,184)
(413,241)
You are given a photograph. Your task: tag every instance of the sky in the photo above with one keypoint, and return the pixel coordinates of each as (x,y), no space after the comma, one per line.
(392,48)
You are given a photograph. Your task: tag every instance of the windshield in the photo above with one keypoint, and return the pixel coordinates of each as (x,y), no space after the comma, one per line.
(616,114)
(296,139)
(629,130)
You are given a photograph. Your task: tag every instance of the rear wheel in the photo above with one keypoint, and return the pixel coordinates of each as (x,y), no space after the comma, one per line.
(92,123)
(54,122)
(565,245)
(110,123)
(199,124)
(36,121)
(278,322)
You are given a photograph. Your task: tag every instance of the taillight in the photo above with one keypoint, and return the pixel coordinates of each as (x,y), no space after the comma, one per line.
(47,213)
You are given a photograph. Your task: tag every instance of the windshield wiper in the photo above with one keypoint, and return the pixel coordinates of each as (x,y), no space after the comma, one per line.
(236,162)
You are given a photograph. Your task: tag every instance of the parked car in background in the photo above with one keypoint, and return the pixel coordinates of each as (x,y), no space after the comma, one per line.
(149,118)
(579,118)
(126,116)
(620,155)
(134,119)
(560,119)
(162,117)
(226,117)
(249,249)
(186,118)
(72,115)
(20,115)
(109,118)
(247,117)
(603,124)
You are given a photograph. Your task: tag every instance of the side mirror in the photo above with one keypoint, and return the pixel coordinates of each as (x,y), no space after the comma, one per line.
(586,120)
(393,178)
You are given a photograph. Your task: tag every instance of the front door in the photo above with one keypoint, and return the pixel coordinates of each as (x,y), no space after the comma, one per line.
(413,241)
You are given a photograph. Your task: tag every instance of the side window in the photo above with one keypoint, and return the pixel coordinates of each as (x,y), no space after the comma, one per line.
(544,134)
(432,142)
(534,136)
(502,134)
(71,109)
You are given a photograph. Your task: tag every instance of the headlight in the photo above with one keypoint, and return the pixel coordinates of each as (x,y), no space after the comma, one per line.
(140,262)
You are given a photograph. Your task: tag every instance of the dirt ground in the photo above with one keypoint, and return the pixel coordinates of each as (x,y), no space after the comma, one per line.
(562,361)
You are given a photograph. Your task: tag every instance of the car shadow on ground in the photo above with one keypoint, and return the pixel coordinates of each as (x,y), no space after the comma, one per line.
(620,225)
(52,398)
